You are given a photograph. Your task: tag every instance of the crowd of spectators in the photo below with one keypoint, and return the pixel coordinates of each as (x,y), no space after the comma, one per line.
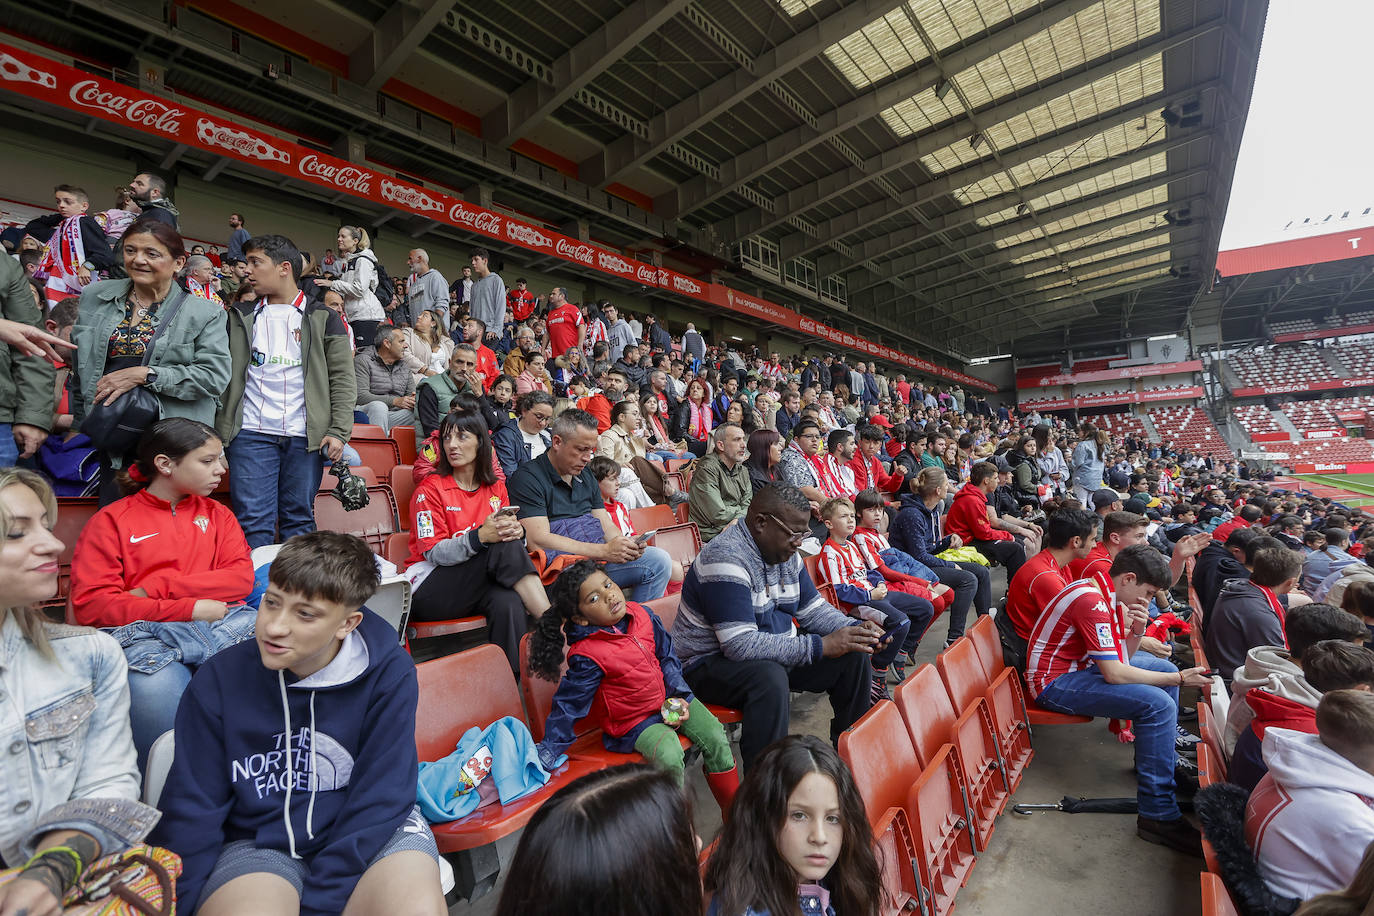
(907,495)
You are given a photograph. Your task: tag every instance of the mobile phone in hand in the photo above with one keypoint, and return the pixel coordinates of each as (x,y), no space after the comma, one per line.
(642,539)
(508,511)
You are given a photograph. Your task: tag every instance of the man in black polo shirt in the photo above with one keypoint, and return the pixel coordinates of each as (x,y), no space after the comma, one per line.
(562,511)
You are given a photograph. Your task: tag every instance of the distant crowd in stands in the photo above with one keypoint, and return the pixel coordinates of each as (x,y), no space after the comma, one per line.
(841,510)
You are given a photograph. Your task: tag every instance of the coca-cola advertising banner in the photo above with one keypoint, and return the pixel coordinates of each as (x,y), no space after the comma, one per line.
(1295,387)
(1042,379)
(1358,416)
(49,81)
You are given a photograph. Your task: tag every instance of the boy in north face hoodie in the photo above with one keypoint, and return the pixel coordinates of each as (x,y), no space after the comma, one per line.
(295,768)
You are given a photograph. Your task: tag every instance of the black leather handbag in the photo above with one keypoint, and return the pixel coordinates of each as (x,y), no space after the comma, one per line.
(115,428)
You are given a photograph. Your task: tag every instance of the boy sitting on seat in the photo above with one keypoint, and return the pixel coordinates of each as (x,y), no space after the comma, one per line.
(293,785)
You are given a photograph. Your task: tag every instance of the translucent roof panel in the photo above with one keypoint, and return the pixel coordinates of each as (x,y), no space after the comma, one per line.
(1117,140)
(1161,257)
(1125,174)
(1158,196)
(892,44)
(1098,30)
(1138,245)
(1127,85)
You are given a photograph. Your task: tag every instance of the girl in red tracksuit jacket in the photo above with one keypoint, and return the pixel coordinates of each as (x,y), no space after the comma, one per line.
(621,668)
(168,568)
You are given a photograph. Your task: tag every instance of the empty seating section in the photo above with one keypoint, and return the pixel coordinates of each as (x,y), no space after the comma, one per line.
(1257,420)
(1356,359)
(1294,325)
(1327,451)
(1121,424)
(1189,428)
(1310,415)
(1287,365)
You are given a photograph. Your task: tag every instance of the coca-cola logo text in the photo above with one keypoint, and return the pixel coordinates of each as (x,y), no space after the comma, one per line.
(146,112)
(647,274)
(579,252)
(686,285)
(613,263)
(344,177)
(475,219)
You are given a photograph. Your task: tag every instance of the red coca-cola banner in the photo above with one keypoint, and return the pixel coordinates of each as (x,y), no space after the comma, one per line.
(1323,333)
(1106,398)
(47,80)
(1358,416)
(1327,385)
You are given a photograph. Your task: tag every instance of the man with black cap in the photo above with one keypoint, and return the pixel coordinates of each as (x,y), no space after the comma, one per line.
(1106,501)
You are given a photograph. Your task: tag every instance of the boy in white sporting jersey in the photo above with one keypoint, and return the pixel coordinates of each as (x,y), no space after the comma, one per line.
(289,406)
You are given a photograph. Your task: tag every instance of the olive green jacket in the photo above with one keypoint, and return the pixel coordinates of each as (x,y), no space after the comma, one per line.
(191,356)
(26,382)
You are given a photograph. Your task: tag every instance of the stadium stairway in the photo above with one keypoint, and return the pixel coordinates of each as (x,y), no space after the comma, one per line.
(1151,434)
(1334,364)
(1285,424)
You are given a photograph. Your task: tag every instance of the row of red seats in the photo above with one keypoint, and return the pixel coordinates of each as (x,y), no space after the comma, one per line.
(938,765)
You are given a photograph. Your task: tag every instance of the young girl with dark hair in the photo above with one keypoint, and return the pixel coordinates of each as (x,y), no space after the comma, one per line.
(797,840)
(621,669)
(168,568)
(617,842)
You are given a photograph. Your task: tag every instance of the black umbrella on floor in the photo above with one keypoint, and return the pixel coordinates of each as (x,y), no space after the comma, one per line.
(1070,805)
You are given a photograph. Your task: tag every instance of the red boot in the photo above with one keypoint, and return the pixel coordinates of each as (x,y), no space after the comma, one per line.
(723,786)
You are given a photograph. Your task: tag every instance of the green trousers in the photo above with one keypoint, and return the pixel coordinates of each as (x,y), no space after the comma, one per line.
(660,745)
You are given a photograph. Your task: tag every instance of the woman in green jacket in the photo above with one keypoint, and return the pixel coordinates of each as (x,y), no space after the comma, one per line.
(116,321)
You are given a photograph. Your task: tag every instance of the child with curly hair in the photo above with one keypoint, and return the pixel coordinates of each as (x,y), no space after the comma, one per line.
(621,669)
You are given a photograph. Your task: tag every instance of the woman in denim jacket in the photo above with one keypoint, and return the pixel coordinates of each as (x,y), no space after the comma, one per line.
(115,325)
(68,784)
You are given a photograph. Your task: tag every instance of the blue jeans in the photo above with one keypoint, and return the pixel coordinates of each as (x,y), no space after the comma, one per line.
(272,485)
(153,701)
(646,578)
(1154,711)
(9,449)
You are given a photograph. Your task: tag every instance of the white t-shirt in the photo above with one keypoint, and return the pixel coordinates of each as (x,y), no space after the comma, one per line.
(535,442)
(274,389)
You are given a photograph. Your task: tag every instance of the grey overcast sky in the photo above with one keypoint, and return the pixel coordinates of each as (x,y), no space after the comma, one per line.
(1309,140)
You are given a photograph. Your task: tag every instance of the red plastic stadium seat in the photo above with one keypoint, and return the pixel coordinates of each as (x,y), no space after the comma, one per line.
(367,431)
(398,551)
(404,437)
(373,523)
(328,481)
(403,485)
(1211,732)
(458,692)
(878,750)
(73,512)
(652,518)
(1005,682)
(1209,771)
(932,722)
(682,542)
(1216,900)
(381,454)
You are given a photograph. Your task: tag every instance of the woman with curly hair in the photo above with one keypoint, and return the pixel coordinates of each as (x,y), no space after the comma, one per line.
(622,669)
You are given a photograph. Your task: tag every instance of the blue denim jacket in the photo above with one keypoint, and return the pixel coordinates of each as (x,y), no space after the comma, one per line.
(150,646)
(66,749)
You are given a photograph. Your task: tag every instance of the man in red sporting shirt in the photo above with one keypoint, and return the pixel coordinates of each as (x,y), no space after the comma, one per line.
(474,333)
(520,301)
(565,324)
(1070,534)
(968,518)
(1083,661)
(1248,517)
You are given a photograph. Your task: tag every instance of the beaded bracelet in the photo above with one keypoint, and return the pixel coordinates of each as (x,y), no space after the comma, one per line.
(40,860)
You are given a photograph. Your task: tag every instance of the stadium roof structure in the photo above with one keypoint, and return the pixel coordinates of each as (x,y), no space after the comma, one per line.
(955,176)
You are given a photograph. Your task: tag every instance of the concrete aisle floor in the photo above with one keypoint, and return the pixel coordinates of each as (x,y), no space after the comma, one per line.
(1042,863)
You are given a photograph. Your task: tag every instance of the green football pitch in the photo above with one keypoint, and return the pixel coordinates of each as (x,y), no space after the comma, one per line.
(1353,483)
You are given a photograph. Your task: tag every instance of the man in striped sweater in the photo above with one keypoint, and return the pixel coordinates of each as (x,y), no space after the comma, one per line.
(736,636)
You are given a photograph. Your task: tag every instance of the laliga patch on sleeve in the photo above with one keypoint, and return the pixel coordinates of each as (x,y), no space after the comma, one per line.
(424,525)
(1104,636)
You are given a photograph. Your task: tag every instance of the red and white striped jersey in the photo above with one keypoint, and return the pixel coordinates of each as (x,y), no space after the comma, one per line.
(1077,628)
(870,542)
(843,565)
(621,516)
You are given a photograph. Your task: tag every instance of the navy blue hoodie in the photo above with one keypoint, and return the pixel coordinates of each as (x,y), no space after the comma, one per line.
(235,723)
(914,532)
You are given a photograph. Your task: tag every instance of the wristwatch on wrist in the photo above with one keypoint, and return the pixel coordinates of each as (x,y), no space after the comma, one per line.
(88,265)
(151,376)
